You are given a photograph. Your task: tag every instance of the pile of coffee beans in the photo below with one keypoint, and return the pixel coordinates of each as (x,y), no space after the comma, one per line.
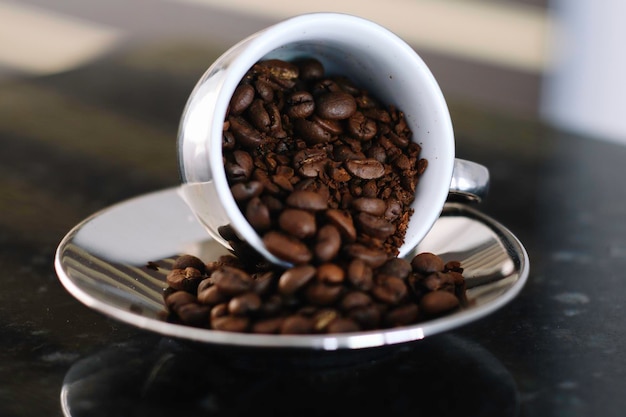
(326,175)
(318,165)
(230,295)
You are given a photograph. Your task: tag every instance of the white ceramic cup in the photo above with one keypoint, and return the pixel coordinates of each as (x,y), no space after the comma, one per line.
(368,54)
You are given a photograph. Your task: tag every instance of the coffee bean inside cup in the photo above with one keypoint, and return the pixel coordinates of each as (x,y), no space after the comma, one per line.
(325,173)
(304,151)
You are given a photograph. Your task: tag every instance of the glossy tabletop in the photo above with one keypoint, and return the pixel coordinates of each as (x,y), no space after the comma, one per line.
(76,142)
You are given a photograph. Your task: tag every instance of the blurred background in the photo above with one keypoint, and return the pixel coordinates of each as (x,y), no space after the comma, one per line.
(555,60)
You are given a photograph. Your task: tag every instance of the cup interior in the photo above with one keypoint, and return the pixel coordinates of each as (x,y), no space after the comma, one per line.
(373,58)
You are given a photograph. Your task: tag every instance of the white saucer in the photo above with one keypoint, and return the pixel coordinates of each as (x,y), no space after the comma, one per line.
(116,261)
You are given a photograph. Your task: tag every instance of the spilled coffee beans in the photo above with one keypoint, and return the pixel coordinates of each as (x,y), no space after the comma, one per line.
(331,297)
(326,175)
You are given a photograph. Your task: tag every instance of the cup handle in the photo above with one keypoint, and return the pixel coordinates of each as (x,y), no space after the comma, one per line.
(470,182)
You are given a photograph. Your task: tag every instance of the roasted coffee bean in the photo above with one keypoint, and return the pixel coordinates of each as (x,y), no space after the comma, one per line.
(327,243)
(232,281)
(330,273)
(426,263)
(390,290)
(310,162)
(268,326)
(240,167)
(402,315)
(211,296)
(178,299)
(365,169)
(258,215)
(297,324)
(243,191)
(294,279)
(355,299)
(310,69)
(245,134)
(185,261)
(397,267)
(298,223)
(371,256)
(436,303)
(368,317)
(321,294)
(184,279)
(373,206)
(342,220)
(374,226)
(335,105)
(242,98)
(286,247)
(300,104)
(307,200)
(439,281)
(194,314)
(361,127)
(360,274)
(243,304)
(313,133)
(231,323)
(322,318)
(343,325)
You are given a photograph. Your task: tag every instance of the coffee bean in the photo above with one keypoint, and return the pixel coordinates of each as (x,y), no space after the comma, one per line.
(244,133)
(194,314)
(373,206)
(211,296)
(436,303)
(300,104)
(321,294)
(232,281)
(294,279)
(335,105)
(243,191)
(231,323)
(361,127)
(343,222)
(426,263)
(374,226)
(371,256)
(242,98)
(243,304)
(184,279)
(397,267)
(360,274)
(313,133)
(298,223)
(307,200)
(310,69)
(178,299)
(355,299)
(296,324)
(366,169)
(258,215)
(327,244)
(330,273)
(185,261)
(402,315)
(268,326)
(390,290)
(343,325)
(288,248)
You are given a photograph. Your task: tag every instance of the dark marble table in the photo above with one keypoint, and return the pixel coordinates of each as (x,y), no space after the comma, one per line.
(76,142)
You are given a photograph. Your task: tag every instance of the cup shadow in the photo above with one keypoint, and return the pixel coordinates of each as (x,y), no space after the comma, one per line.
(444,375)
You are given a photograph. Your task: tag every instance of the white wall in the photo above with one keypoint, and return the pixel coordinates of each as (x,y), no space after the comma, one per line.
(585,88)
